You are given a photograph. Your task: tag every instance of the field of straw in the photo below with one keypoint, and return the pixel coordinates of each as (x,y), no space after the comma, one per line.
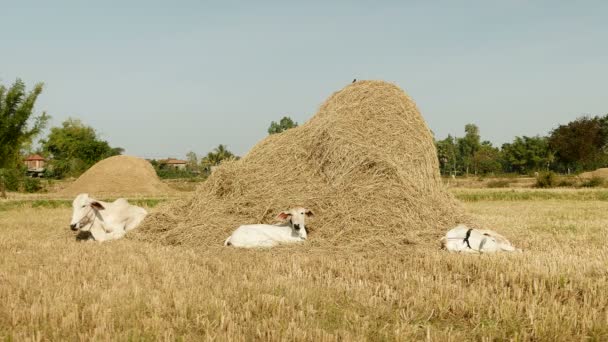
(54,288)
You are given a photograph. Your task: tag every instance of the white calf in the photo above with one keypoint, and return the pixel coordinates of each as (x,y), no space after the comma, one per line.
(266,235)
(103,220)
(468,240)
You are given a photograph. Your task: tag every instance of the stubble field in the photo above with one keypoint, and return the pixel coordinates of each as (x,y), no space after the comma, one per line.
(54,288)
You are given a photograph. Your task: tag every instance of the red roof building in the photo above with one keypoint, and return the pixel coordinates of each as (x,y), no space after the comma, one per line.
(176,163)
(34,162)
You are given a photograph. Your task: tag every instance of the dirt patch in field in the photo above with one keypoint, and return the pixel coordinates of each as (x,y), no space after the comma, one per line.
(119,175)
(365,164)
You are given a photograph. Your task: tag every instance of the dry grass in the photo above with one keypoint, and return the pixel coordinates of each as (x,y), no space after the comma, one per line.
(53,288)
(122,174)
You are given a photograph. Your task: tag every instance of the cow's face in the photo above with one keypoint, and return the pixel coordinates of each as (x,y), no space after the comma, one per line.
(83,212)
(297,217)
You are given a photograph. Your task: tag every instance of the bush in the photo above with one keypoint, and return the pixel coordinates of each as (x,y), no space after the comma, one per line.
(11,179)
(593,182)
(15,180)
(565,183)
(32,185)
(171,173)
(546,179)
(499,183)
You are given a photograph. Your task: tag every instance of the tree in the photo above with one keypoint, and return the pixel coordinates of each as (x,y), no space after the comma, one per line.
(215,157)
(192,161)
(283,125)
(580,144)
(486,159)
(17,126)
(468,145)
(74,147)
(448,155)
(526,154)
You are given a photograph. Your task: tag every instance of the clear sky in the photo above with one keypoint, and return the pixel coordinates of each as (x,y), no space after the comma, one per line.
(161,78)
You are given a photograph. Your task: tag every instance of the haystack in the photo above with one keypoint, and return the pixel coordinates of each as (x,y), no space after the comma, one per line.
(601,173)
(365,164)
(119,176)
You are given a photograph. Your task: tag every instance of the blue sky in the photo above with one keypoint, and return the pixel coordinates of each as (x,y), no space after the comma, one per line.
(163,78)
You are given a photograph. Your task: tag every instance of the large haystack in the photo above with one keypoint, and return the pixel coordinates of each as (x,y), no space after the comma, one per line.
(119,176)
(365,164)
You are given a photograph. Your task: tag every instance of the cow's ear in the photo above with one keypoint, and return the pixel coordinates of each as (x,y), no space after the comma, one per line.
(97,205)
(284,215)
(309,212)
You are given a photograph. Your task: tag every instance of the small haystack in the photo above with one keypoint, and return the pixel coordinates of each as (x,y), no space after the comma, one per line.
(601,173)
(365,164)
(119,176)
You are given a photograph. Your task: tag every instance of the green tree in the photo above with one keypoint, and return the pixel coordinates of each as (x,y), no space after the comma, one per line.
(74,147)
(527,154)
(468,146)
(17,125)
(447,153)
(580,144)
(486,159)
(215,157)
(284,124)
(192,160)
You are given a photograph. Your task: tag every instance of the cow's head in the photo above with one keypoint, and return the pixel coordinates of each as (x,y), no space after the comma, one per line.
(296,218)
(84,211)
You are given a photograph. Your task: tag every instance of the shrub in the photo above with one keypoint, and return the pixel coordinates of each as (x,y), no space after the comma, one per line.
(171,173)
(546,179)
(499,183)
(565,183)
(31,184)
(593,182)
(11,179)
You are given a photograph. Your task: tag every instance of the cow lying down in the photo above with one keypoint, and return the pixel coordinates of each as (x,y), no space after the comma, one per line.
(104,220)
(293,230)
(469,240)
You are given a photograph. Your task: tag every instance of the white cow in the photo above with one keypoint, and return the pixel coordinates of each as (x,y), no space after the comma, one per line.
(103,220)
(469,240)
(266,235)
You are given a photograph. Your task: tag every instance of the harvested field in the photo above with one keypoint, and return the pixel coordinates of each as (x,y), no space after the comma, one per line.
(365,164)
(119,175)
(52,288)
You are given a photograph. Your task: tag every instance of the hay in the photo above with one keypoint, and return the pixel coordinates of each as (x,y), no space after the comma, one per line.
(601,173)
(119,176)
(365,164)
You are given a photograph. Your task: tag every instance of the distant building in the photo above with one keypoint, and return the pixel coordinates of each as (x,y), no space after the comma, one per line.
(35,164)
(174,163)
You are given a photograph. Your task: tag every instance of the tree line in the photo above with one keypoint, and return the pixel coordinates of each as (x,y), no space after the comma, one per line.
(580,145)
(73,147)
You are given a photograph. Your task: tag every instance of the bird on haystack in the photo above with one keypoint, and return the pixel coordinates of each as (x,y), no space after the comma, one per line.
(354,80)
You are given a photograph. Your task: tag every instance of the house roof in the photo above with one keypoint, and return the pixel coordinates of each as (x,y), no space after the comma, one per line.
(173,161)
(34,157)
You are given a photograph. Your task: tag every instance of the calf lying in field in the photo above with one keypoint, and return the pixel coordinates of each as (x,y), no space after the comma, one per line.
(468,240)
(266,235)
(103,220)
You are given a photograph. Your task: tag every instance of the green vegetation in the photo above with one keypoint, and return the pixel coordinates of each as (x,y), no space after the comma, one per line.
(499,183)
(580,145)
(215,157)
(593,182)
(18,126)
(74,147)
(546,179)
(284,124)
(479,195)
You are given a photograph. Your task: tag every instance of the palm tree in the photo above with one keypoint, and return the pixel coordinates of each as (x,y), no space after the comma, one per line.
(215,157)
